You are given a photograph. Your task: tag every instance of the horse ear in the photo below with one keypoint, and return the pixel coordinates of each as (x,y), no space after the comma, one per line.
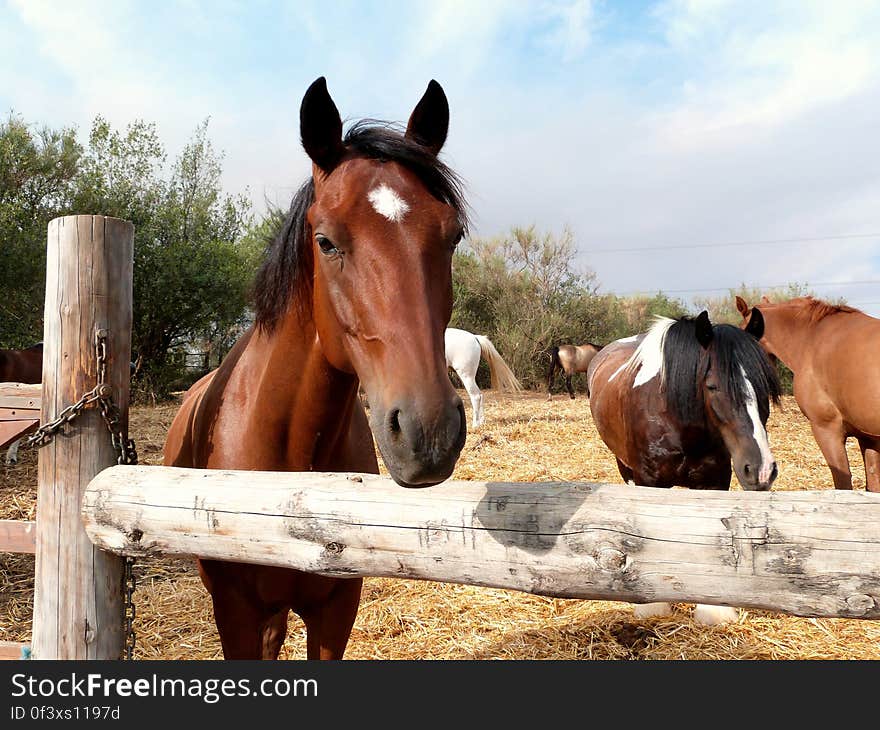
(742,307)
(704,330)
(429,123)
(766,300)
(755,327)
(320,126)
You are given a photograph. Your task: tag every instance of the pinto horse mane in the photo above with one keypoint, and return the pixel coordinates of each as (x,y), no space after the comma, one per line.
(285,275)
(684,363)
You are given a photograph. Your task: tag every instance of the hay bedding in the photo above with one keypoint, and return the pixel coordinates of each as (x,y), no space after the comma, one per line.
(524,438)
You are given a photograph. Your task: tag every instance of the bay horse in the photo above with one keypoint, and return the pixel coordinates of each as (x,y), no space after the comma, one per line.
(677,404)
(20,366)
(834,353)
(356,288)
(570,359)
(463,352)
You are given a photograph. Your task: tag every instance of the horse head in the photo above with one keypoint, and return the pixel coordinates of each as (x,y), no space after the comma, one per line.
(383,222)
(754,323)
(735,383)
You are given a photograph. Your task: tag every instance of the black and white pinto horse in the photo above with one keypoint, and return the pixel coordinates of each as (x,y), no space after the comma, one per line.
(678,404)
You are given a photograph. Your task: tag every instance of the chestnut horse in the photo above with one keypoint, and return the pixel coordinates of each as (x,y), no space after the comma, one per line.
(676,404)
(834,353)
(570,359)
(357,287)
(20,366)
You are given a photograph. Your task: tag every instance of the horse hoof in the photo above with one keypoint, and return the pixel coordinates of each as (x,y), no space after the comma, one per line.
(715,615)
(650,610)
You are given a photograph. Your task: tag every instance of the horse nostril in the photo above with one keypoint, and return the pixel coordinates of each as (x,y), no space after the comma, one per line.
(394,420)
(747,469)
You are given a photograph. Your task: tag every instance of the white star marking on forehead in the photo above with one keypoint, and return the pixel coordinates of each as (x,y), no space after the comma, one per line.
(388,204)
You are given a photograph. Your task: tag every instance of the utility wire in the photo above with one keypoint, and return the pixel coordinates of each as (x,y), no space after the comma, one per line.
(730,244)
(757,286)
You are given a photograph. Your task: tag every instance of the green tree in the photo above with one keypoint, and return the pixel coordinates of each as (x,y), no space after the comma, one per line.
(191,271)
(525,292)
(37,168)
(723,308)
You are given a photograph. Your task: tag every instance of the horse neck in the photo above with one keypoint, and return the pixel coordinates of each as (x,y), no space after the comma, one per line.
(301,399)
(790,333)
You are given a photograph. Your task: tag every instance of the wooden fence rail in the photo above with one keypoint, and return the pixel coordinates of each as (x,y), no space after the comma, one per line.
(814,553)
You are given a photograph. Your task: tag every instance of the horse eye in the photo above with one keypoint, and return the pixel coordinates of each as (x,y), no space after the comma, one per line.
(711,386)
(326,245)
(457,240)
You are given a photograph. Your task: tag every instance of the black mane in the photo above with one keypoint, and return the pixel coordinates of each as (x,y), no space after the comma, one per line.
(285,275)
(685,362)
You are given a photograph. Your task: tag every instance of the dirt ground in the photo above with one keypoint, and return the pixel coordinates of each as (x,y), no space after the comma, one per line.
(525,438)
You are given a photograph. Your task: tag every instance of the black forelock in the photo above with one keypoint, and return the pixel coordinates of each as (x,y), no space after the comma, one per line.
(685,362)
(284,279)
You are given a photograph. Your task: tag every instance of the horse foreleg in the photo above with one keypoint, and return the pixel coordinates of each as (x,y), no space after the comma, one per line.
(274,632)
(328,627)
(650,610)
(706,615)
(470,385)
(832,442)
(246,631)
(871,457)
(626,473)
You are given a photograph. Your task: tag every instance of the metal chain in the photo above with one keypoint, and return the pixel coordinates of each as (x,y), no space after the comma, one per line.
(126,453)
(128,610)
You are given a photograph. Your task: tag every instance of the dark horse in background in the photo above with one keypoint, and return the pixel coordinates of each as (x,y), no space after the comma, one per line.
(834,353)
(677,404)
(20,366)
(356,288)
(570,359)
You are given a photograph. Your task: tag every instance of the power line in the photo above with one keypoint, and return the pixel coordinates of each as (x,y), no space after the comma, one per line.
(731,244)
(760,286)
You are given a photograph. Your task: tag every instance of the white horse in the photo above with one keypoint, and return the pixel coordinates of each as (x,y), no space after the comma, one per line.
(463,352)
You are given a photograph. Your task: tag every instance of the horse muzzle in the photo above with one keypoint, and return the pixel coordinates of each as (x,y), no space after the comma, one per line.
(758,477)
(420,446)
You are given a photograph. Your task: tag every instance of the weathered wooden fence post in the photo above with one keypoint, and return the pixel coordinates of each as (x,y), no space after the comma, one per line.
(78,598)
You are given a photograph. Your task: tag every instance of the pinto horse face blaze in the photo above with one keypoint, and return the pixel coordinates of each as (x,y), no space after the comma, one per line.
(382,244)
(737,412)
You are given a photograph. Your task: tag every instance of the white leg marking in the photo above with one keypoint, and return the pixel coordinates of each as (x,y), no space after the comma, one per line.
(649,610)
(470,385)
(387,203)
(758,431)
(715,615)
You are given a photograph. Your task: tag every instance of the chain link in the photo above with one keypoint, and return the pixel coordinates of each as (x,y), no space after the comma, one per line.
(126,453)
(128,609)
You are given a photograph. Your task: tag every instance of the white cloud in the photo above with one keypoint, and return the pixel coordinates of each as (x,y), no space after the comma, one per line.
(731,121)
(572,28)
(750,66)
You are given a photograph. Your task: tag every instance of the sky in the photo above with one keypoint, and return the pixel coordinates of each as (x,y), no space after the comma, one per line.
(656,131)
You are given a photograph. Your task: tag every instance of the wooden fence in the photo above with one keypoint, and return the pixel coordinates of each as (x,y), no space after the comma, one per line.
(813,553)
(77,588)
